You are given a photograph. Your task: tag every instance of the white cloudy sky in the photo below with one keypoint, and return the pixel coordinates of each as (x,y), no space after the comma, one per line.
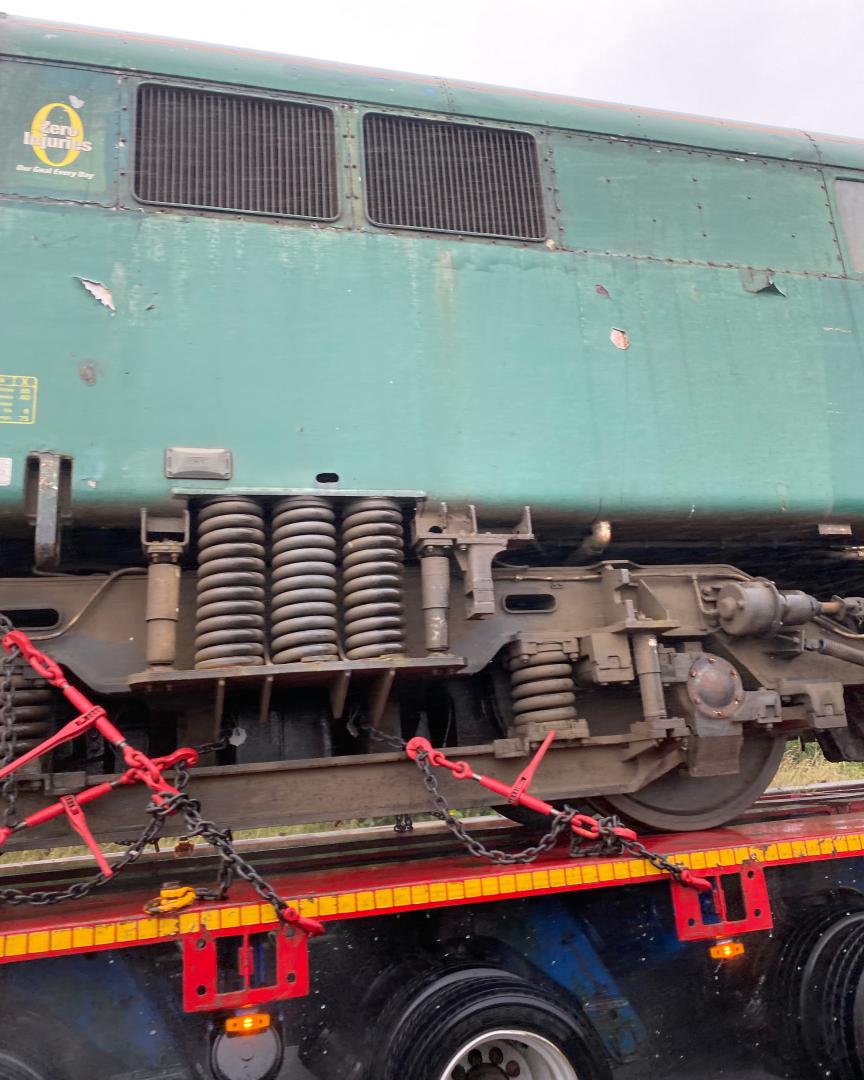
(795,63)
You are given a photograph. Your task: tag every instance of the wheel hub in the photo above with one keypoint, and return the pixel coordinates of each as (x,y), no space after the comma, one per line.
(509,1055)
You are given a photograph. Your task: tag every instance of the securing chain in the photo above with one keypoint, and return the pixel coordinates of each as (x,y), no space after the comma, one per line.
(232,864)
(609,840)
(444,811)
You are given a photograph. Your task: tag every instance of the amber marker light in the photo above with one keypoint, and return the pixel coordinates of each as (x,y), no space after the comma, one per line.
(726,949)
(247,1023)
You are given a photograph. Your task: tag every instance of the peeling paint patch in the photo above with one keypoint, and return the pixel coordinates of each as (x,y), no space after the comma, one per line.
(99,292)
(837,330)
(619,338)
(601,290)
(760,281)
(89,371)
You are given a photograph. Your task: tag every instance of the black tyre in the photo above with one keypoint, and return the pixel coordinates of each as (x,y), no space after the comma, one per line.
(819,994)
(468,1023)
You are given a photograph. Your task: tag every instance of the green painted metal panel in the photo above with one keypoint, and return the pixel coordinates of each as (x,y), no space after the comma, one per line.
(59,129)
(479,371)
(224,64)
(662,202)
(466,370)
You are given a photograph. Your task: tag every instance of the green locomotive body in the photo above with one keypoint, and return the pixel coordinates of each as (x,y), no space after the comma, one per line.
(338,315)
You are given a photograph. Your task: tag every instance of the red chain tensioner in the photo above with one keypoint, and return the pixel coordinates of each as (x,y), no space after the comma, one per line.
(582,825)
(140,768)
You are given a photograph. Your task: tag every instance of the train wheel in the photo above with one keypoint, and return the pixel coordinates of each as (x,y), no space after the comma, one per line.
(678,802)
(485,1024)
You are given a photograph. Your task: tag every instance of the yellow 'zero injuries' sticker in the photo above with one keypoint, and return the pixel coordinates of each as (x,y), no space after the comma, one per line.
(18,399)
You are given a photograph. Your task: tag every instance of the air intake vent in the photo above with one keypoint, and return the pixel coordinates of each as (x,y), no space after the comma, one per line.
(423,174)
(225,152)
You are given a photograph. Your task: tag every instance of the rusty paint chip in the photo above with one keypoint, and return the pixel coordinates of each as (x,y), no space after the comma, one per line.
(99,291)
(601,290)
(619,338)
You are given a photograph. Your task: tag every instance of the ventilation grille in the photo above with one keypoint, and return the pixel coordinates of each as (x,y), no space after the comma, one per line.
(422,174)
(221,152)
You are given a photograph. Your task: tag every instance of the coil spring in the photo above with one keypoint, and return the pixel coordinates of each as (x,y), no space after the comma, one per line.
(303,619)
(541,686)
(372,553)
(231,611)
(34,708)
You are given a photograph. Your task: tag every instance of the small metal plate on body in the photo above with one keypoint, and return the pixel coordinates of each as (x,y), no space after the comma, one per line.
(198,463)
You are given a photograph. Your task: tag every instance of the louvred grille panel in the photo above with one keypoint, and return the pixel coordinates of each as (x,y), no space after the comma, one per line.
(226,152)
(425,174)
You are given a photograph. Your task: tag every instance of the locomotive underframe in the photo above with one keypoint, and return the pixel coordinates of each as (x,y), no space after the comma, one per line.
(635,668)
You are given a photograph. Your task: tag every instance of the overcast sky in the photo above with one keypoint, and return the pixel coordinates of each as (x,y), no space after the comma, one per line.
(794,63)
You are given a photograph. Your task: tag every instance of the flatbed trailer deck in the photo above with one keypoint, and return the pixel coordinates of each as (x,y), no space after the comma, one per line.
(611,933)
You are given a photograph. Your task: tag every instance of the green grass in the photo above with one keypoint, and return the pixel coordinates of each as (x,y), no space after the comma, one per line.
(806,765)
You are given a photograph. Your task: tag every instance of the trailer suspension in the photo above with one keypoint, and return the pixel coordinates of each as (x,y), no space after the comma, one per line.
(166,799)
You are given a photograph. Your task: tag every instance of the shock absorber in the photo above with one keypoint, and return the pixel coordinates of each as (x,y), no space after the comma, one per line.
(303,605)
(541,686)
(230,617)
(372,556)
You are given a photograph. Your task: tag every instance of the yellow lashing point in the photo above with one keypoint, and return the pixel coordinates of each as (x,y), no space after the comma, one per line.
(172,897)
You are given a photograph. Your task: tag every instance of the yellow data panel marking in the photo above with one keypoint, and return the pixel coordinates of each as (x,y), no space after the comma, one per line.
(18,399)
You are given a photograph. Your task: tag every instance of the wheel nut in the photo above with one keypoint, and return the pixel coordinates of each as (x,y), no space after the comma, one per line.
(512,1068)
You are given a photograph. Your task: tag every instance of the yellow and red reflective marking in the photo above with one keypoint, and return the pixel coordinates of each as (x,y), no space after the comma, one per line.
(111,921)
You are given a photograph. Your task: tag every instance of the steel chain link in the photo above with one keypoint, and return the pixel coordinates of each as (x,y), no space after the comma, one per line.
(445,812)
(608,842)
(232,864)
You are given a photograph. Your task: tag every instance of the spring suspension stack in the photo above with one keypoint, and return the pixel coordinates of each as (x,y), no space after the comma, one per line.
(231,608)
(541,686)
(34,709)
(303,594)
(372,558)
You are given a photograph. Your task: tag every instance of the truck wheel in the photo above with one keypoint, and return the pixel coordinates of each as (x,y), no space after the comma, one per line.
(485,1024)
(819,988)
